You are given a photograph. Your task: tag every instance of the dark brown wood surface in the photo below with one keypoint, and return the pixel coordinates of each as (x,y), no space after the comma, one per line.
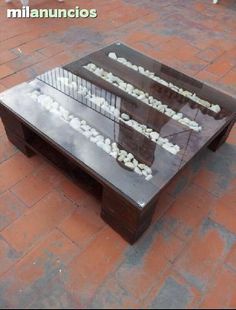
(128,200)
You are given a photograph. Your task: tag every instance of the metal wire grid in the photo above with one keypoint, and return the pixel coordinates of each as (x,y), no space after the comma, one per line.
(52,78)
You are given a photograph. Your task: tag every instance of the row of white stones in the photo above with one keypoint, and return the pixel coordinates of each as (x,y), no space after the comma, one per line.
(213,107)
(92,134)
(100,102)
(144,97)
(150,134)
(106,106)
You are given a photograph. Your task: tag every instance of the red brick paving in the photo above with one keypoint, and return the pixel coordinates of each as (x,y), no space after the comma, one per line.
(2,131)
(186,217)
(11,208)
(55,251)
(34,272)
(171,283)
(82,226)
(225,212)
(111,295)
(40,220)
(5,70)
(6,56)
(231,259)
(82,277)
(201,259)
(140,276)
(8,256)
(6,148)
(38,189)
(13,170)
(216,297)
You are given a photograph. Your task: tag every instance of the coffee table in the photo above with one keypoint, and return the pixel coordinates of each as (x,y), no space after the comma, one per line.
(132,166)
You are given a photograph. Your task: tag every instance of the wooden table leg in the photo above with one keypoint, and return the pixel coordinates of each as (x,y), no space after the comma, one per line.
(129,221)
(221,138)
(16,132)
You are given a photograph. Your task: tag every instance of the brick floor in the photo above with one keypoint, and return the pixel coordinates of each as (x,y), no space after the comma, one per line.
(55,251)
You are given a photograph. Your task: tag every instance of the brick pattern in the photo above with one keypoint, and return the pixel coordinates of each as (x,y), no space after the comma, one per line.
(55,250)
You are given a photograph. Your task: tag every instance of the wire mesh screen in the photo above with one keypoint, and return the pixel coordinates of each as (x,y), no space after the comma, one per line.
(105,103)
(94,97)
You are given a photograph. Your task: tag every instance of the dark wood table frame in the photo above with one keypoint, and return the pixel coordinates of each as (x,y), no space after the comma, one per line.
(119,209)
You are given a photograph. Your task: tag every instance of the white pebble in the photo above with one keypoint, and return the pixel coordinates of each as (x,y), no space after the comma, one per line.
(125,116)
(112,55)
(107,148)
(75,123)
(154,135)
(137,170)
(148,178)
(129,165)
(108,141)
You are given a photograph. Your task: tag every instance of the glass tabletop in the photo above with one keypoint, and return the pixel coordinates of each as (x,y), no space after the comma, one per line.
(62,102)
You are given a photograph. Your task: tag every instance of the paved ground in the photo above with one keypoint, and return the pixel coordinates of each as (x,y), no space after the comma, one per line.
(55,251)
